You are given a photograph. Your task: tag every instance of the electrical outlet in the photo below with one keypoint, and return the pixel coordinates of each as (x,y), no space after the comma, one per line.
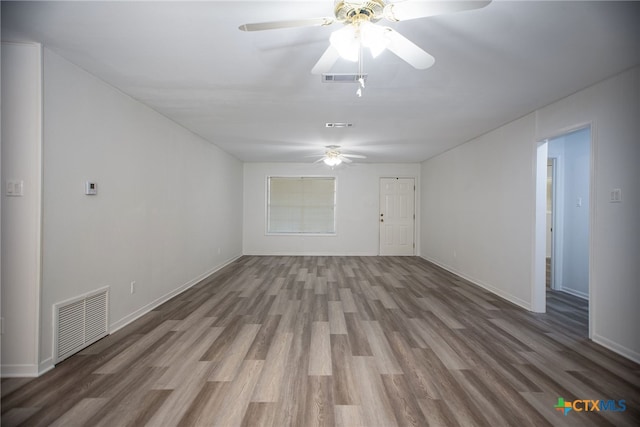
(133,287)
(90,188)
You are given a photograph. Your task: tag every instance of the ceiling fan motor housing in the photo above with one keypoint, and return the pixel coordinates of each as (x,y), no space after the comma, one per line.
(351,12)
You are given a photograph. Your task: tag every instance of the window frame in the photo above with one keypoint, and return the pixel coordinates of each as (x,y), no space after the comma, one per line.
(268,232)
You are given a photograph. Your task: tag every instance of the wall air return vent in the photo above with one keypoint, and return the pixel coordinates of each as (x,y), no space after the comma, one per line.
(343,78)
(79,322)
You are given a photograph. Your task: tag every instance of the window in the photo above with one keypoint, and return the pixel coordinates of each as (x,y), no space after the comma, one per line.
(301,205)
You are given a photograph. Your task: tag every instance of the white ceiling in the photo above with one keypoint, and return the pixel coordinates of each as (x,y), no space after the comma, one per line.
(252,94)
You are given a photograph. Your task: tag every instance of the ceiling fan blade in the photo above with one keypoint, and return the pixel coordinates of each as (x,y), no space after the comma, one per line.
(344,159)
(354,156)
(409,51)
(312,22)
(326,61)
(405,10)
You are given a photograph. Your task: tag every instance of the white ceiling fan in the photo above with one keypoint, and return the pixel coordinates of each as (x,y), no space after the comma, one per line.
(333,156)
(360,30)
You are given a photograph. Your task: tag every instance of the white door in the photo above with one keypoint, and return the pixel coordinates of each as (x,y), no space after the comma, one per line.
(397,216)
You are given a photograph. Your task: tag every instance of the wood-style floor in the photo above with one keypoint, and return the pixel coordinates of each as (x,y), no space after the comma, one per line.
(345,341)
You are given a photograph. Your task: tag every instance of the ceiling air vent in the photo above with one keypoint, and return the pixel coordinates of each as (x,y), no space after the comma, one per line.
(343,78)
(338,125)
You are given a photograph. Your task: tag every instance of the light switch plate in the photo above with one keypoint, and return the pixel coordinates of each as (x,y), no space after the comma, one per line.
(15,188)
(616,196)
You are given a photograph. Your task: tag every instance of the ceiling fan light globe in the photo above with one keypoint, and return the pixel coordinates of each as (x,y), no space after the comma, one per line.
(346,42)
(332,161)
(374,37)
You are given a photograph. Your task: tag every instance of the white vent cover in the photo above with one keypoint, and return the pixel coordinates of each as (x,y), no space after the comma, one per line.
(79,322)
(338,125)
(343,78)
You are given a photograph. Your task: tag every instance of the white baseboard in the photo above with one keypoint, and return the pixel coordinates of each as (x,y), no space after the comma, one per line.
(19,371)
(119,324)
(616,348)
(573,292)
(46,366)
(499,292)
(303,253)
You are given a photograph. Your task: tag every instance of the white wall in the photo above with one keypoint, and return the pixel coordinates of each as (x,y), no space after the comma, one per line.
(357,212)
(168,209)
(21,160)
(612,107)
(477,210)
(478,199)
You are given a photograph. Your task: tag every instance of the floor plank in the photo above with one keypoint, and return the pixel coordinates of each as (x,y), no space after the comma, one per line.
(335,341)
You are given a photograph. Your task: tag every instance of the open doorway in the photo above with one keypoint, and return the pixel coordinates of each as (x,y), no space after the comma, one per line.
(571,154)
(563,216)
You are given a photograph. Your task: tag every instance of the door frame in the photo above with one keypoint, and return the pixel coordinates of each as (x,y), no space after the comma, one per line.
(556,238)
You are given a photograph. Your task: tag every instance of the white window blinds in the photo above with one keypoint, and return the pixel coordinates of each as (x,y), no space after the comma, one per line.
(301,205)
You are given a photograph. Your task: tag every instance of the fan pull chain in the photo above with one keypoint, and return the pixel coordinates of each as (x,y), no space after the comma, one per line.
(360,72)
